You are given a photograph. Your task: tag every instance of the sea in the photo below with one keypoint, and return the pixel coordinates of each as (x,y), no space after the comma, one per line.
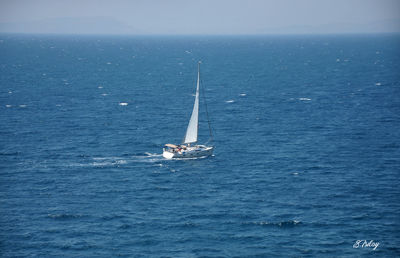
(306,130)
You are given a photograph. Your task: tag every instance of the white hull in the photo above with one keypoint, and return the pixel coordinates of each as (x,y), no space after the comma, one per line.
(190,153)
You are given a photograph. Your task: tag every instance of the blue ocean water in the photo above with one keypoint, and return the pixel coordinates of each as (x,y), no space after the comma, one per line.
(306,129)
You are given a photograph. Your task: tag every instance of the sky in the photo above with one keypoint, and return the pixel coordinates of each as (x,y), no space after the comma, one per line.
(217,17)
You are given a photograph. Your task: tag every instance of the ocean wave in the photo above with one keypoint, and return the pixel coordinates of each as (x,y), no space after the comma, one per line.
(281,224)
(65,216)
(15,153)
(124,226)
(77,245)
(112,217)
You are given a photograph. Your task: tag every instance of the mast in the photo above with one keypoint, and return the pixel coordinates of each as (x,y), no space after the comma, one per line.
(208,117)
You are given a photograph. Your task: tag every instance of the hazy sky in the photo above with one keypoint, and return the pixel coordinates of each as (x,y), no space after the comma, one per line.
(200,17)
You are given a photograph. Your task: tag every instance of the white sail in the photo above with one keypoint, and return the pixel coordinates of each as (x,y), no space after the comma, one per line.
(192,129)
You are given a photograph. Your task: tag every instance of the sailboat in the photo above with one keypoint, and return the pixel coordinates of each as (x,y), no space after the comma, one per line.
(189,148)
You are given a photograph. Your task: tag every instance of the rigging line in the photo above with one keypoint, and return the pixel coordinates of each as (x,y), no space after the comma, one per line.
(205,105)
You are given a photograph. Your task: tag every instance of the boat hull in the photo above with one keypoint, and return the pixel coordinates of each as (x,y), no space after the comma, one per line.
(190,153)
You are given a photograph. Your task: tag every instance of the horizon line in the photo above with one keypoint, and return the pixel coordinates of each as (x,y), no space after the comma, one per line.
(201,35)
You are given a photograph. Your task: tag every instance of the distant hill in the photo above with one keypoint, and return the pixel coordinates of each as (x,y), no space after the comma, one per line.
(108,25)
(383,26)
(71,25)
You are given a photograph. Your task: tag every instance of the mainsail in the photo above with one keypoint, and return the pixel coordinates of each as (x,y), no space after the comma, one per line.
(191,132)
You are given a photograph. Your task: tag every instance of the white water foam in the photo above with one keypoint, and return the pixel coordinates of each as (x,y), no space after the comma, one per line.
(229,101)
(152,154)
(123,104)
(150,157)
(106,158)
(115,161)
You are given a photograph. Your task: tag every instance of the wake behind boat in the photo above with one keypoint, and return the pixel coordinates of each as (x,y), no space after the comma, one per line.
(189,148)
